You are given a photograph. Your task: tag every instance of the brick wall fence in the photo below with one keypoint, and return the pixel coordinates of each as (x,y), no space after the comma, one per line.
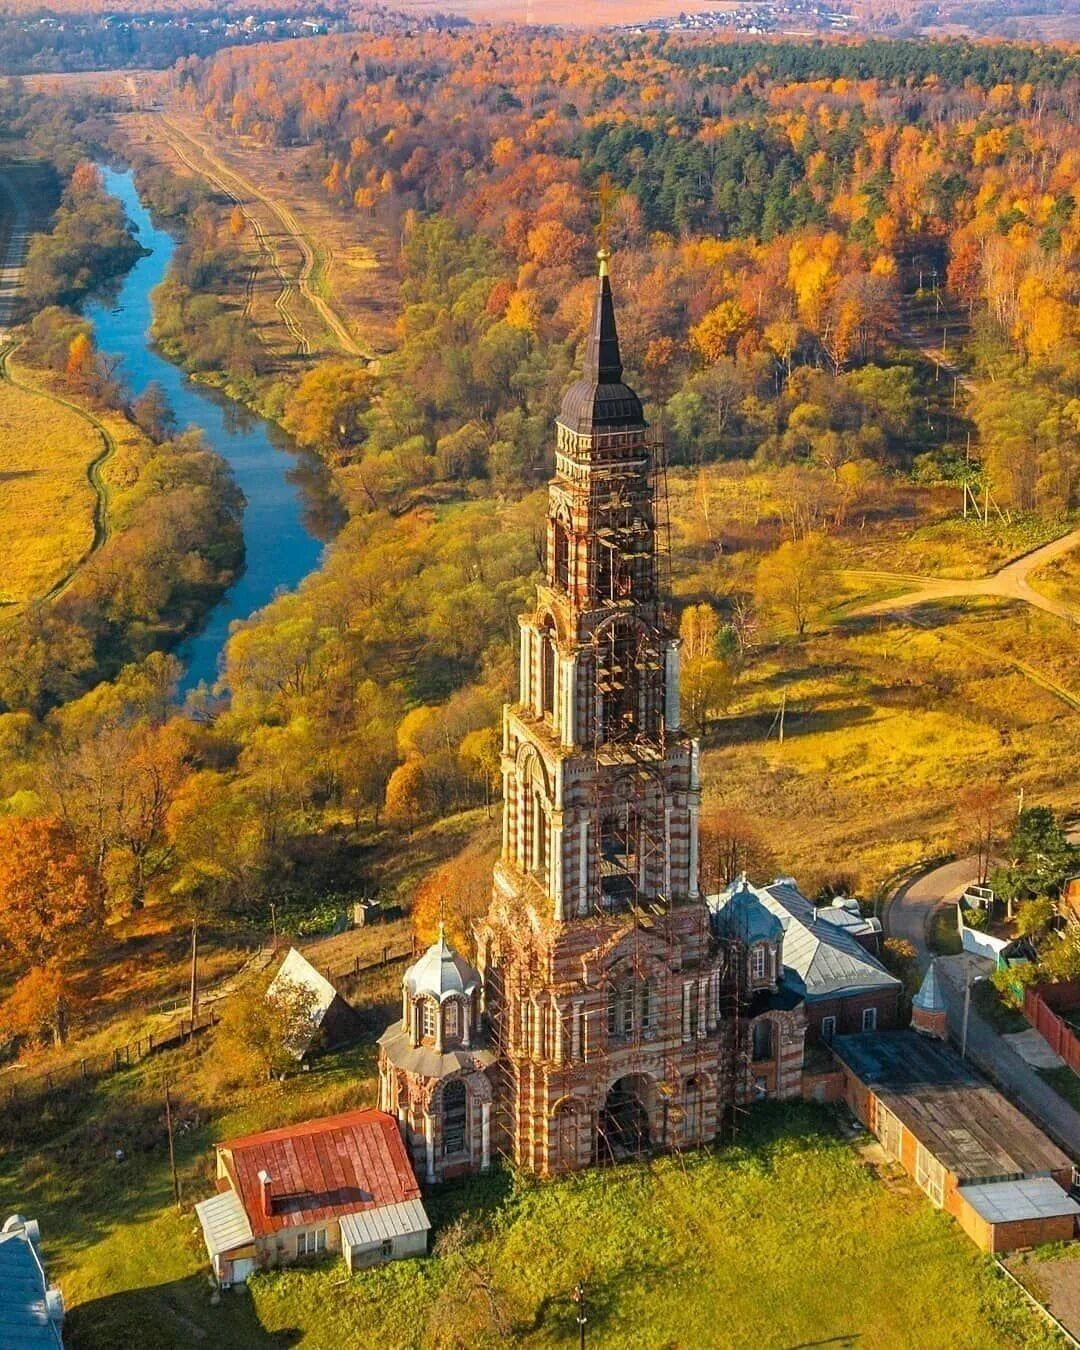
(1043,1004)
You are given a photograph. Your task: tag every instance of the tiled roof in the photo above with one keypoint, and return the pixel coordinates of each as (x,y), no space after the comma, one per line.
(821,959)
(321,1169)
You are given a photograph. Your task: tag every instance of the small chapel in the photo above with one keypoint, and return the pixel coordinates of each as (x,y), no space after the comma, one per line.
(613,1009)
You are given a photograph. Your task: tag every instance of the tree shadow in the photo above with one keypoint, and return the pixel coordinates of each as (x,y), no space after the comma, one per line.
(180,1315)
(751,727)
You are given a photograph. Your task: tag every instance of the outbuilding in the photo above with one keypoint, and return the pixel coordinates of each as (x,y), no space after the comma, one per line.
(970,1150)
(337,1184)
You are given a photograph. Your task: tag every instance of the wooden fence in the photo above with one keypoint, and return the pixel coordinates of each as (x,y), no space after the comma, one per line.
(1041,1002)
(390,955)
(14,1088)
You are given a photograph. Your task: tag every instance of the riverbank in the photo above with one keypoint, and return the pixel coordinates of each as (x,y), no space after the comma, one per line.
(282,521)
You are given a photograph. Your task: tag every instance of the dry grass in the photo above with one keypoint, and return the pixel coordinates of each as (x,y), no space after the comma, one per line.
(46,501)
(885,727)
(1061,579)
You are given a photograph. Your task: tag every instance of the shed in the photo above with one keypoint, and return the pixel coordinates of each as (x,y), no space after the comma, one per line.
(338,1183)
(957,1136)
(334,1021)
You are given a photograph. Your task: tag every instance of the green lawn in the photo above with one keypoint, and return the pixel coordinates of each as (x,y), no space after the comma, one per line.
(784,1239)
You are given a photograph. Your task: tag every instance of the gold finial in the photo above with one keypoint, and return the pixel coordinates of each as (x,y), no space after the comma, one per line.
(603,256)
(606,195)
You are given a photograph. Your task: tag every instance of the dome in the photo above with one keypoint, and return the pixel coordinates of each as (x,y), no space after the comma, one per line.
(740,913)
(441,973)
(599,400)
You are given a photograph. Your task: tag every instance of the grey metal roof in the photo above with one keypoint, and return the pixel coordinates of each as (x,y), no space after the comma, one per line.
(25,1319)
(820,958)
(930,998)
(1010,1201)
(427,1062)
(224,1223)
(740,912)
(369,1226)
(441,972)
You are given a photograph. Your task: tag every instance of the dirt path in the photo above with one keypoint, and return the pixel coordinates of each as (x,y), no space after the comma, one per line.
(93,469)
(11,269)
(242,191)
(1010,583)
(183,147)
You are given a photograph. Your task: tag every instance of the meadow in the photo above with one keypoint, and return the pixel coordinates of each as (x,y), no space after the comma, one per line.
(46,498)
(787,1235)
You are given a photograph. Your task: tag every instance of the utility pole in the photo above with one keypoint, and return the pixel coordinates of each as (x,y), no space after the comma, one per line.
(172,1147)
(1020,803)
(967,1011)
(579,1299)
(273,922)
(783,710)
(194,990)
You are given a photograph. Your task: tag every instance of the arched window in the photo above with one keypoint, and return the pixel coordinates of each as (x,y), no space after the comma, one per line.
(631,1004)
(620,660)
(763,1039)
(451,1019)
(548,655)
(454,1117)
(618,858)
(562,556)
(429,1012)
(759,961)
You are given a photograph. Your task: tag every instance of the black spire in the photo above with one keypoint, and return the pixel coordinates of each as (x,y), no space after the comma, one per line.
(602,362)
(599,399)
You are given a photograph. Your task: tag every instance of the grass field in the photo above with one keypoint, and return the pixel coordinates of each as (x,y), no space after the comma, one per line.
(46,500)
(885,726)
(787,1238)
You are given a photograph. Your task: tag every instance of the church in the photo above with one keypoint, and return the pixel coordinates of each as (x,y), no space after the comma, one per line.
(613,1009)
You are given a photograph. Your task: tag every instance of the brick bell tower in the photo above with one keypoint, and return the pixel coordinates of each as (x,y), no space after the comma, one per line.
(602,988)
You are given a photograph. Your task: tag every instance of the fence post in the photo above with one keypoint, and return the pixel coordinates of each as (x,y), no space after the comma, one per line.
(82,1067)
(385,954)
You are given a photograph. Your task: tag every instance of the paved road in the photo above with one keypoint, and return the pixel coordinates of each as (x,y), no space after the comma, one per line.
(1010,583)
(14,256)
(990,1053)
(908,913)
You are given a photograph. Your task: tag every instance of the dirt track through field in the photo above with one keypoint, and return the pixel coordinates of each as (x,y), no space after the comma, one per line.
(1008,583)
(242,192)
(93,469)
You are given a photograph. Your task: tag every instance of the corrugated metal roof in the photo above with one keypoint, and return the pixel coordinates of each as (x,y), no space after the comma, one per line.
(822,958)
(224,1223)
(25,1323)
(1012,1201)
(321,1169)
(380,1225)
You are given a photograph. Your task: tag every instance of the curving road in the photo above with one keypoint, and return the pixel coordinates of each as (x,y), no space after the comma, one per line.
(908,913)
(1009,583)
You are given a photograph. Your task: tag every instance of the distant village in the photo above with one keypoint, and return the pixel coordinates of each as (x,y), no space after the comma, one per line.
(797,18)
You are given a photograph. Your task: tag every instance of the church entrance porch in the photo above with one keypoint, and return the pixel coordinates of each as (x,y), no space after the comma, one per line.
(624,1127)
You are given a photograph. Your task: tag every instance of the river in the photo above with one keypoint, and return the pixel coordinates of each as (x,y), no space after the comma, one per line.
(280,543)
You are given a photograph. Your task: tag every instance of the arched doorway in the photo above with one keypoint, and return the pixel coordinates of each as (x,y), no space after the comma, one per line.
(625,1129)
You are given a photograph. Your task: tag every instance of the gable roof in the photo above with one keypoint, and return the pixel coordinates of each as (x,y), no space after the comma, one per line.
(821,959)
(30,1313)
(297,969)
(321,1169)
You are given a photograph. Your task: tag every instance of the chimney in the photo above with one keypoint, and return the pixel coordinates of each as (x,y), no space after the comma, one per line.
(266,1198)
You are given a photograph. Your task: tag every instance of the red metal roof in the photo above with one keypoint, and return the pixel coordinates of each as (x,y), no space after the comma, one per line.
(321,1169)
